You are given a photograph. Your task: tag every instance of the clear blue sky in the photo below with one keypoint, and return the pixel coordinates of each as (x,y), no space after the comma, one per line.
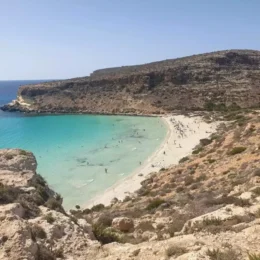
(55,39)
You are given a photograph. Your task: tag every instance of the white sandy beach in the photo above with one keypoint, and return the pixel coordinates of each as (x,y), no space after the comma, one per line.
(183,135)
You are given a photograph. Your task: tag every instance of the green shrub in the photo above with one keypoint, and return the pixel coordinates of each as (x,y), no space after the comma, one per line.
(237,150)
(228,254)
(104,235)
(105,220)
(8,156)
(198,150)
(212,221)
(205,141)
(202,177)
(155,204)
(184,159)
(8,194)
(257,172)
(23,152)
(253,256)
(86,211)
(58,252)
(211,160)
(44,253)
(179,189)
(225,200)
(54,204)
(74,219)
(257,213)
(210,106)
(256,191)
(49,218)
(98,207)
(188,180)
(175,251)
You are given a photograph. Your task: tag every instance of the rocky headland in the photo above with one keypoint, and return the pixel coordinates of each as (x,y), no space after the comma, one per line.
(211,81)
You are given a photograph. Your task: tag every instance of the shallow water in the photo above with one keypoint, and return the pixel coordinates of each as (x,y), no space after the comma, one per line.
(74,151)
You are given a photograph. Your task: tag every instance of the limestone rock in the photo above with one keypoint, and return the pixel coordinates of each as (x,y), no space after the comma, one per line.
(12,209)
(189,83)
(123,224)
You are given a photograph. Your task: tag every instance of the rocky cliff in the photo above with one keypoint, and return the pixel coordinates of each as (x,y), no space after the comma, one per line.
(208,81)
(34,225)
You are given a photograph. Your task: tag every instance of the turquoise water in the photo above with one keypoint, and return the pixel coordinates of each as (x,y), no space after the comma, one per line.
(73,151)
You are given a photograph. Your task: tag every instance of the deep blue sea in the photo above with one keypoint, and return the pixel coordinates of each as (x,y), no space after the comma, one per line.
(73,151)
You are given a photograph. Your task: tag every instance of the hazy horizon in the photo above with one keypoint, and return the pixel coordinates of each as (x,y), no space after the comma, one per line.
(64,39)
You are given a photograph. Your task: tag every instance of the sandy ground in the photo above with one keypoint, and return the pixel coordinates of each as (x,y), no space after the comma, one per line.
(183,135)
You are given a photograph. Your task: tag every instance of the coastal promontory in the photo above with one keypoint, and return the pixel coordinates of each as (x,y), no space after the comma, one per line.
(210,81)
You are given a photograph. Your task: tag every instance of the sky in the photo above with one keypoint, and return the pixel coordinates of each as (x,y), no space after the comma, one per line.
(59,39)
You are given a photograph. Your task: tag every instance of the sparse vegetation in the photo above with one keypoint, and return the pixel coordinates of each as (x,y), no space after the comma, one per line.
(105,220)
(253,256)
(184,159)
(59,253)
(198,150)
(205,141)
(8,156)
(188,180)
(256,191)
(54,204)
(237,150)
(211,160)
(175,251)
(8,194)
(38,232)
(228,254)
(155,204)
(105,235)
(23,152)
(98,207)
(49,218)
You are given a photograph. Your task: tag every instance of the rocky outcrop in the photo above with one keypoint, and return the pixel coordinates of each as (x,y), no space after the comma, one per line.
(123,224)
(208,81)
(33,224)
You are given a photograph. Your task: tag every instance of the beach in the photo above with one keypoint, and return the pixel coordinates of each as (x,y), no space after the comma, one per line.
(182,136)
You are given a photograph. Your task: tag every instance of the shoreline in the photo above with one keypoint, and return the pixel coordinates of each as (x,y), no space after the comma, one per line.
(182,136)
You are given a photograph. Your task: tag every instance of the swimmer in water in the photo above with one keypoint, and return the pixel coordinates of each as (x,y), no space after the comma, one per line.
(105,170)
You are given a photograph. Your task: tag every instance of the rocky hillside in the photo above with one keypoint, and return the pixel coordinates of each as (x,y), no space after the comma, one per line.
(212,81)
(34,225)
(205,208)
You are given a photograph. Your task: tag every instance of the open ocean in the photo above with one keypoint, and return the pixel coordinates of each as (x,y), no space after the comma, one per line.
(73,151)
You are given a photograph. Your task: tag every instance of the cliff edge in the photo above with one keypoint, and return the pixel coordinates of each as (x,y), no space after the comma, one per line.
(211,81)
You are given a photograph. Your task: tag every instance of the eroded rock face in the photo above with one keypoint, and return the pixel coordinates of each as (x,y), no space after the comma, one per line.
(201,81)
(28,228)
(17,167)
(123,224)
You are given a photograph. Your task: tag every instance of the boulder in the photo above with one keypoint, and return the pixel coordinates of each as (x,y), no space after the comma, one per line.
(12,209)
(123,224)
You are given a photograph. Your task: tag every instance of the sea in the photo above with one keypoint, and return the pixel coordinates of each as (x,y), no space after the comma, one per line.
(80,156)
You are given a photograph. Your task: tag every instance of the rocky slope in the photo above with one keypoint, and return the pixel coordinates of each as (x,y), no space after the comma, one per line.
(206,207)
(208,81)
(34,225)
